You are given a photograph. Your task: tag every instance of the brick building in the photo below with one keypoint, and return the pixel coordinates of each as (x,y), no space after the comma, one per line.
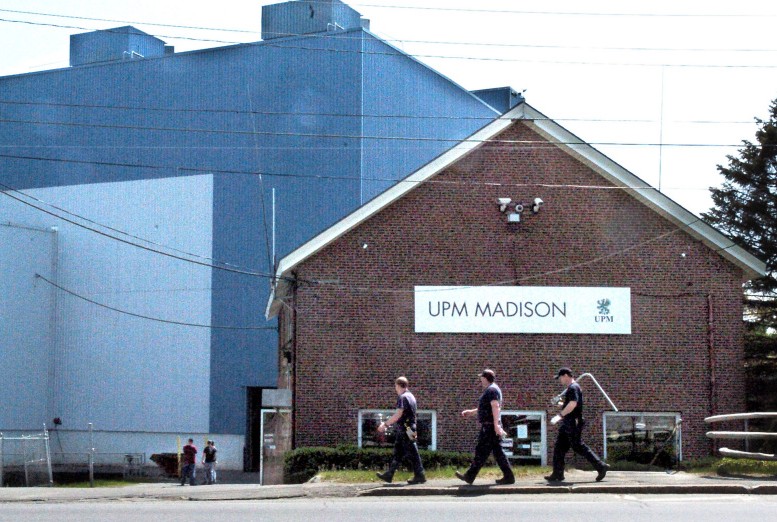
(356,309)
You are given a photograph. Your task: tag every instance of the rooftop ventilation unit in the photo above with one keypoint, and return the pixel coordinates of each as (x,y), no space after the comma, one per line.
(308,17)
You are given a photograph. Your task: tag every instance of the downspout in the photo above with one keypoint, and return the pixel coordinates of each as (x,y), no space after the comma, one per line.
(711,358)
(293,327)
(711,348)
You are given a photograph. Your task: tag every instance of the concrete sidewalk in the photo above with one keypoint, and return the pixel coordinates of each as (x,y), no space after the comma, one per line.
(617,482)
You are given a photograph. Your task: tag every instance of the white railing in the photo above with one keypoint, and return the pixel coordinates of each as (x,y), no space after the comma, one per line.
(743,435)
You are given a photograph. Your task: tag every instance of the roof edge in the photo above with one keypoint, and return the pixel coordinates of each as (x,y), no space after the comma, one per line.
(752,267)
(646,193)
(375,205)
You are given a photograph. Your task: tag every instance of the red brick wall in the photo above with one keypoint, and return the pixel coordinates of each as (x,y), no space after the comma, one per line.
(355,336)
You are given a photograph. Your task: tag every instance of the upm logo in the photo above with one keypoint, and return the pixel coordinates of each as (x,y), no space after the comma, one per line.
(604,316)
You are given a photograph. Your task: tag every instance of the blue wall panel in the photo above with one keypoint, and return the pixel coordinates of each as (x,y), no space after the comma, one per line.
(429,114)
(291,109)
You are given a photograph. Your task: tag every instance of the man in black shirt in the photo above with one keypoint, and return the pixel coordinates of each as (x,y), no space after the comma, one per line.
(488,412)
(406,434)
(569,434)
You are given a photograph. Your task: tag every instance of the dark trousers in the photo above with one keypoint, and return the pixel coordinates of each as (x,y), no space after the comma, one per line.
(488,443)
(569,436)
(188,472)
(404,448)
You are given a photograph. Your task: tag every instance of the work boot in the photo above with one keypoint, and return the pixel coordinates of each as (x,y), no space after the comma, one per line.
(554,478)
(505,480)
(385,477)
(602,472)
(418,479)
(464,477)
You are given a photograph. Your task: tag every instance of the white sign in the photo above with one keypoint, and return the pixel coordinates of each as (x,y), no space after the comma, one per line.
(536,449)
(522,309)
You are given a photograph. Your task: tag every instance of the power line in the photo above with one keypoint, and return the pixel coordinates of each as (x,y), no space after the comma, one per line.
(93,19)
(204,110)
(204,170)
(275,44)
(112,229)
(383,290)
(8,192)
(566,13)
(567,268)
(149,318)
(420,139)
(454,9)
(402,40)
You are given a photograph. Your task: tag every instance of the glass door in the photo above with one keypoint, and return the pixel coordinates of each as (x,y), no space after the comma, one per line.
(276,441)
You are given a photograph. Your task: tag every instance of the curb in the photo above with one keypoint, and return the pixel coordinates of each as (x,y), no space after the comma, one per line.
(471,491)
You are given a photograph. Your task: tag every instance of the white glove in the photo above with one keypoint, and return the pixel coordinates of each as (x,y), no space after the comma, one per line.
(555,419)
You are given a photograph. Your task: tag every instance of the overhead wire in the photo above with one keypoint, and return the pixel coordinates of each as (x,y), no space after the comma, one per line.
(206,110)
(402,40)
(561,13)
(383,290)
(377,137)
(147,317)
(206,170)
(9,192)
(273,43)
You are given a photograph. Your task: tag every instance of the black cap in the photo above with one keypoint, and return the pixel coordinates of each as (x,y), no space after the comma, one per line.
(488,374)
(564,371)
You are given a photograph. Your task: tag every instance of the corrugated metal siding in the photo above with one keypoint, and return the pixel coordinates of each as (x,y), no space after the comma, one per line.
(117,371)
(113,45)
(440,115)
(27,343)
(299,18)
(162,116)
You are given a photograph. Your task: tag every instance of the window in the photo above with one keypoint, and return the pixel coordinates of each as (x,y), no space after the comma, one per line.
(526,440)
(369,420)
(643,437)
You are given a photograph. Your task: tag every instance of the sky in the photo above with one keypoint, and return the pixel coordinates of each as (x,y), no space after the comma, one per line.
(667,89)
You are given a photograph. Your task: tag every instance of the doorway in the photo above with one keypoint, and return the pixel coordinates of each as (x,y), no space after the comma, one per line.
(252,452)
(276,441)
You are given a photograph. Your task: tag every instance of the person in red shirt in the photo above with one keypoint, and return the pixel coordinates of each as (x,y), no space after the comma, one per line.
(189,463)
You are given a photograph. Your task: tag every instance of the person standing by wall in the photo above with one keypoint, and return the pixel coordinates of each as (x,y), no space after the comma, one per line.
(571,429)
(189,462)
(209,462)
(489,416)
(405,446)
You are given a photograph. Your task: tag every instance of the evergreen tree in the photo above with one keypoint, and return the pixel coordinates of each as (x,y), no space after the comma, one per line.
(746,210)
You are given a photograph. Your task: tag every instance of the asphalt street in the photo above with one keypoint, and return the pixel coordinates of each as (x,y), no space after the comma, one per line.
(540,508)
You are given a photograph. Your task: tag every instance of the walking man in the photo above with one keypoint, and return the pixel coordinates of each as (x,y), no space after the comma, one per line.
(491,432)
(405,442)
(209,462)
(189,462)
(570,431)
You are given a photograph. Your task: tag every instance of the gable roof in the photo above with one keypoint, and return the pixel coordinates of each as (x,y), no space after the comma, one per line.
(751,266)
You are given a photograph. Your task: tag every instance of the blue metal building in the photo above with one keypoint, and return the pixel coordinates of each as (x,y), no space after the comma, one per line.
(151,191)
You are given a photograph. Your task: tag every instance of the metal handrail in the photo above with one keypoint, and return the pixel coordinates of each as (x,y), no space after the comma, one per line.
(558,397)
(739,435)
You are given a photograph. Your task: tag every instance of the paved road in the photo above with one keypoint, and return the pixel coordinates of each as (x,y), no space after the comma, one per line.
(540,508)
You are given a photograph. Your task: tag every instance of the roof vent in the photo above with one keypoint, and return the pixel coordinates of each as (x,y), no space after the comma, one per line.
(111,45)
(307,17)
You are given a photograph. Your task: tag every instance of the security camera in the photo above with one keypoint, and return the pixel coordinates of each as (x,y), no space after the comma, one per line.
(535,207)
(503,202)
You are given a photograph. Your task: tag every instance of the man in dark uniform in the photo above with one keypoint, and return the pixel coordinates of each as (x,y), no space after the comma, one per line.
(491,432)
(405,443)
(569,434)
